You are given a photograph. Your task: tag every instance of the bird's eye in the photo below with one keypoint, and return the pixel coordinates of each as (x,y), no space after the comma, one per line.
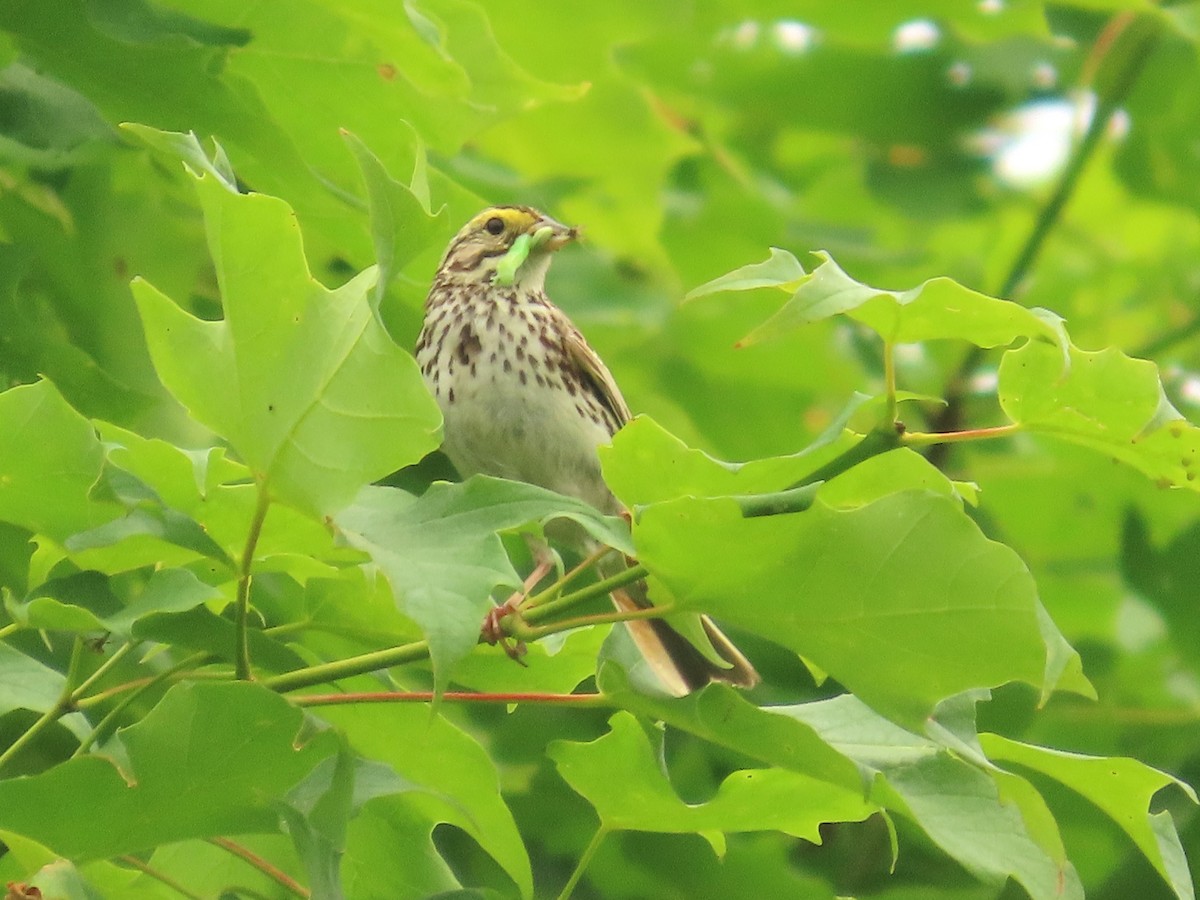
(494,225)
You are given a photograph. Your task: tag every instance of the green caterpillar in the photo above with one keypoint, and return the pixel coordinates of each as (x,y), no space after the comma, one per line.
(506,271)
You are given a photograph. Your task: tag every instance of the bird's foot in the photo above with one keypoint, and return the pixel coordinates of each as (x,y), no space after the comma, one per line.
(493,630)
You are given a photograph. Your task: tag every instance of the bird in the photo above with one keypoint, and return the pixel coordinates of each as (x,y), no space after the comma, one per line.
(524,397)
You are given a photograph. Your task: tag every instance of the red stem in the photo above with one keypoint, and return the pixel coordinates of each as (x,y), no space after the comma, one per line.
(462,696)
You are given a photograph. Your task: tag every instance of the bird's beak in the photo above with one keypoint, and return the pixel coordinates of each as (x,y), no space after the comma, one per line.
(550,234)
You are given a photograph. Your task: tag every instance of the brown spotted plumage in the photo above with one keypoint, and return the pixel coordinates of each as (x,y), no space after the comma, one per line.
(524,397)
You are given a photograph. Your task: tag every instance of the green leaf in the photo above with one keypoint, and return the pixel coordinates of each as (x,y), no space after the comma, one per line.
(747,800)
(779,270)
(303,382)
(26,683)
(1122,789)
(200,629)
(937,308)
(316,813)
(187,147)
(209,870)
(166,591)
(49,460)
(1107,401)
(556,664)
(402,222)
(390,853)
(646,464)
(844,743)
(457,780)
(498,80)
(57,127)
(722,715)
(613,140)
(139,22)
(1151,162)
(965,813)
(997,828)
(888,473)
(30,863)
(148,535)
(903,599)
(442,554)
(62,881)
(239,736)
(178,476)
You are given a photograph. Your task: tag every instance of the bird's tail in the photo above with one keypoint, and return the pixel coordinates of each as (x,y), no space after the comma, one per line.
(674,659)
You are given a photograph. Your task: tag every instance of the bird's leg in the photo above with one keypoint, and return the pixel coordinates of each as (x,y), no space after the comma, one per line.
(492,630)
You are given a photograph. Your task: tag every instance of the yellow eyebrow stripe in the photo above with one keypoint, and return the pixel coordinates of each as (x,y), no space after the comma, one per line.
(521,218)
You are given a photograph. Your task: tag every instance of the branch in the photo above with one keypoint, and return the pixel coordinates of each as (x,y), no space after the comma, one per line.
(271,871)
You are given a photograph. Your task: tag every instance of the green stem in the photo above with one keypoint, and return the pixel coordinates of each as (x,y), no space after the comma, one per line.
(10,628)
(925,439)
(1048,218)
(406,653)
(793,500)
(951,414)
(346,668)
(525,633)
(879,440)
(556,588)
(598,589)
(588,853)
(242,603)
(108,723)
(889,379)
(137,684)
(154,873)
(291,628)
(60,707)
(353,632)
(103,669)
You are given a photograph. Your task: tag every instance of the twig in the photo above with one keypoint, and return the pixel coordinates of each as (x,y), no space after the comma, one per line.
(346,668)
(525,633)
(103,669)
(273,872)
(598,589)
(889,379)
(588,852)
(242,603)
(108,723)
(163,877)
(554,589)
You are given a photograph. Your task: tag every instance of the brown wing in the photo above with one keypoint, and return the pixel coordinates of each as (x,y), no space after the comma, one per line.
(595,375)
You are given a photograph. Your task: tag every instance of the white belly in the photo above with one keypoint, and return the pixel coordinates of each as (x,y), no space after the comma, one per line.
(505,423)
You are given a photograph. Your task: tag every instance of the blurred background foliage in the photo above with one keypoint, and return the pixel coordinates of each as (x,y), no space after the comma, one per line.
(911,139)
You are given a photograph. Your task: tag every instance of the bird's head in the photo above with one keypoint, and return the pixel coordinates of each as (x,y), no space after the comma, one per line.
(505,245)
